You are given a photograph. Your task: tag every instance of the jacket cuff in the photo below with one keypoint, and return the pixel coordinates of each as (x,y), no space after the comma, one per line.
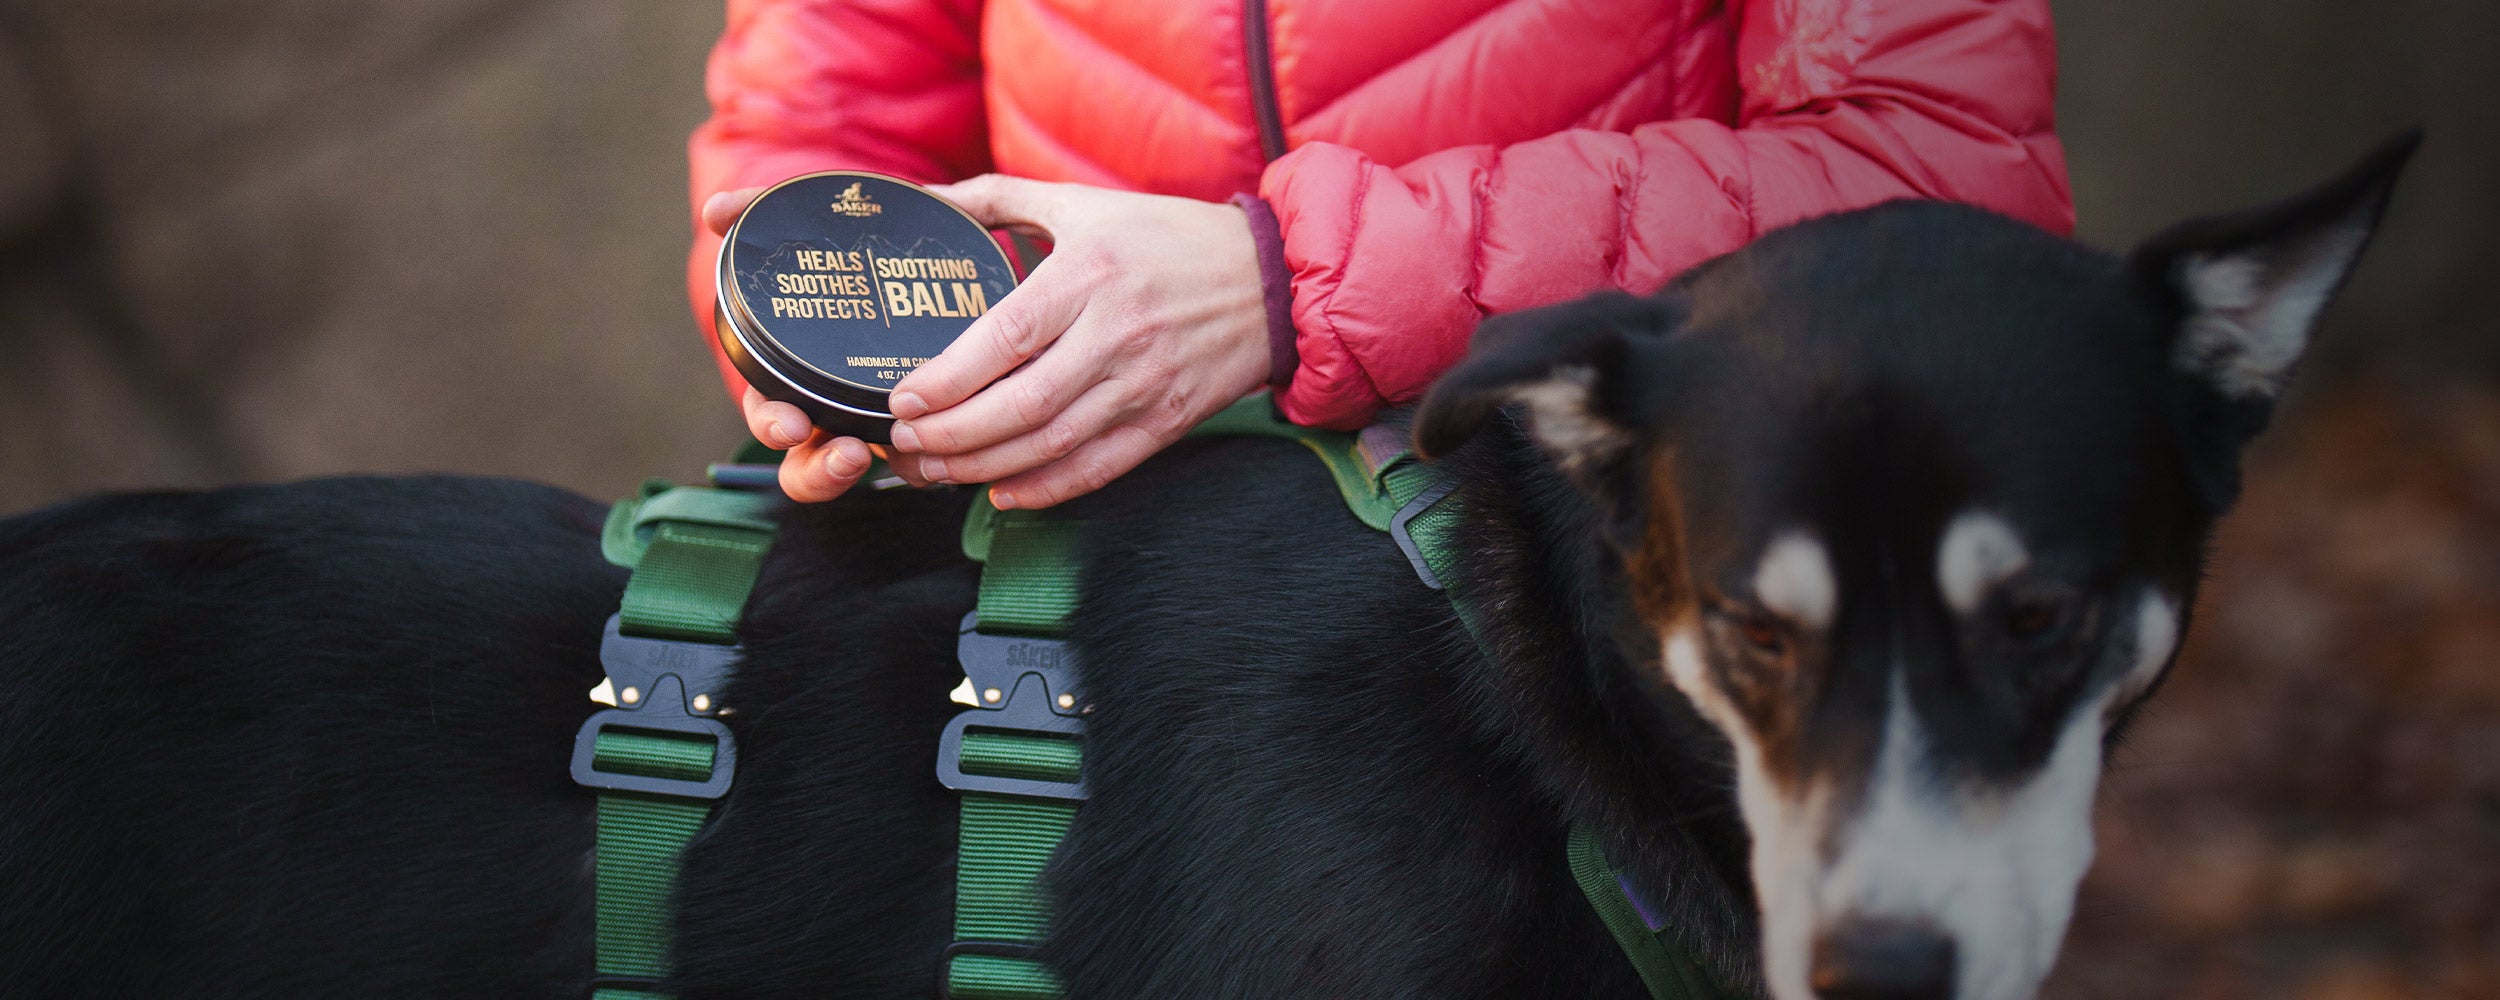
(1276,281)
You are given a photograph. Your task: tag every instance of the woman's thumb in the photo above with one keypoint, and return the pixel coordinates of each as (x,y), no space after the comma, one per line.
(1002,202)
(720,211)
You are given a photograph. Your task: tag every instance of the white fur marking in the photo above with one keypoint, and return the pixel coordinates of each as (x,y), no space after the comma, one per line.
(1795,580)
(1978,552)
(1687,670)
(1558,409)
(1786,833)
(1994,868)
(2252,321)
(1787,864)
(2156,635)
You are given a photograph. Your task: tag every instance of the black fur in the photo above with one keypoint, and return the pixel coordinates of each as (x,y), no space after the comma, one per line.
(1873,374)
(297,741)
(312,740)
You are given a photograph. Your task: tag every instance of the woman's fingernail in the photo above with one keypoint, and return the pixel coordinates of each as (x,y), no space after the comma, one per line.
(934,468)
(1002,500)
(843,464)
(906,405)
(790,434)
(905,438)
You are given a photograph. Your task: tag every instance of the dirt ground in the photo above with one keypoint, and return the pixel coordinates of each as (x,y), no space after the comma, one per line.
(2311,808)
(248,241)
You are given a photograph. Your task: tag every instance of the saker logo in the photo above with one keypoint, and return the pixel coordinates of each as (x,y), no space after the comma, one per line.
(854,203)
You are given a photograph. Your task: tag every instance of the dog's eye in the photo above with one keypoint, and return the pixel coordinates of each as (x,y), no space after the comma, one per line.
(2035,621)
(1763,634)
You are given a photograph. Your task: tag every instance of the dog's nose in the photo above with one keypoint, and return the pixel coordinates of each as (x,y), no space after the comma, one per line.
(1883,959)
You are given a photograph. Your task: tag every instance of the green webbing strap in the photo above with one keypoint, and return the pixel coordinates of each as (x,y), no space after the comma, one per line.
(1012,756)
(1374,473)
(694,554)
(1360,474)
(693,581)
(1029,584)
(1028,588)
(1380,479)
(639,839)
(1004,842)
(1663,967)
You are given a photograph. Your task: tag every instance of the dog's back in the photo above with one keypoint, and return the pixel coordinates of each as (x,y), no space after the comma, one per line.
(310,740)
(262,742)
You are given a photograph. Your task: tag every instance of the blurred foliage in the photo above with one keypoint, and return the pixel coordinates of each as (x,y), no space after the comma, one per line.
(2311,807)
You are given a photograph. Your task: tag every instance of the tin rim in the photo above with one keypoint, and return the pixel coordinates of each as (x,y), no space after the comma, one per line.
(779,361)
(788,369)
(739,343)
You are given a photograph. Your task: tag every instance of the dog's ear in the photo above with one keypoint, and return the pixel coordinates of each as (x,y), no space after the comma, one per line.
(2250,285)
(1567,363)
(2244,291)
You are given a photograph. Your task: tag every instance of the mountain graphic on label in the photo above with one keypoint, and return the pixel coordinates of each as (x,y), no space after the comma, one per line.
(851,202)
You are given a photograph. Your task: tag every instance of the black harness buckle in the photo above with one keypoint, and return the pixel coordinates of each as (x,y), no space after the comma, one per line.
(1402,529)
(665,676)
(1020,685)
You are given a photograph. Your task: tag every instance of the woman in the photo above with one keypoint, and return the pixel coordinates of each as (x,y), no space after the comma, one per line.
(1396,172)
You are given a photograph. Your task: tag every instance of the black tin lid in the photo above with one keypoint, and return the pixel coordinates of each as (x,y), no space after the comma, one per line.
(833,286)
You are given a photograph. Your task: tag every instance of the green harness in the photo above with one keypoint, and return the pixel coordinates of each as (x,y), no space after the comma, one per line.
(660,758)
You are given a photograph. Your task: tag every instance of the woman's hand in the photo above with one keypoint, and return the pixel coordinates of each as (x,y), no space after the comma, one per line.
(1146,318)
(816,465)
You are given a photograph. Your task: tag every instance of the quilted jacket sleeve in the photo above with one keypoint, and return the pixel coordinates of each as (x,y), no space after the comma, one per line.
(892,86)
(1846,103)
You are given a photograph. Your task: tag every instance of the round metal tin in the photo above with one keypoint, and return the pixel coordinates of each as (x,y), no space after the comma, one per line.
(833,286)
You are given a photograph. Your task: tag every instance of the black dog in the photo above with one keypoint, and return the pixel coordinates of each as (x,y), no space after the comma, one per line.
(1815,582)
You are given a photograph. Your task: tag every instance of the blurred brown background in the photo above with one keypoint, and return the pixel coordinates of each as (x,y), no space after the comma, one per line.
(249,241)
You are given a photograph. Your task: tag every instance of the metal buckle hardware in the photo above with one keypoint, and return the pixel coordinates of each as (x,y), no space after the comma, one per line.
(1022,685)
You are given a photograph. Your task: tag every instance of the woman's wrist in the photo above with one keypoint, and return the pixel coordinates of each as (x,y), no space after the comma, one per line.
(1276,281)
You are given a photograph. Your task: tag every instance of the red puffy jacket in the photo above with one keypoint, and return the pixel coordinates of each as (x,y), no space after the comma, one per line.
(1429,163)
